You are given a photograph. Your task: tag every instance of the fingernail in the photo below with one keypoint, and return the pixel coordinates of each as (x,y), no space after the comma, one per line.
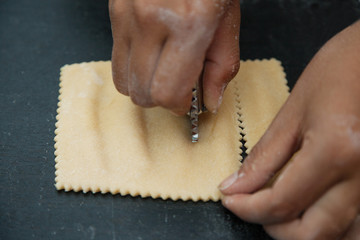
(220,99)
(229,181)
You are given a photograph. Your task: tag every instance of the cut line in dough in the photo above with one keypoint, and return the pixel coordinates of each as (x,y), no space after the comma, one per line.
(261,93)
(104,143)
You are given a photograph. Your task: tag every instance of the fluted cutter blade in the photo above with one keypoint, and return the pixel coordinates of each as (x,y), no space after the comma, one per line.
(197,107)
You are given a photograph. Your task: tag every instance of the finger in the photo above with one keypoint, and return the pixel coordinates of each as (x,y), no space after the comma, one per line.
(143,61)
(268,156)
(354,231)
(328,218)
(222,58)
(282,201)
(178,69)
(121,45)
(119,65)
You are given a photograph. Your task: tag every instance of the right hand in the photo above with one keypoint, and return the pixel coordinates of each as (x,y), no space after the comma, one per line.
(315,141)
(161,47)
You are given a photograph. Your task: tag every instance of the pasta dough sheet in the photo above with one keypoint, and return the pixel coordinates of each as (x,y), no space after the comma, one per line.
(104,143)
(262,90)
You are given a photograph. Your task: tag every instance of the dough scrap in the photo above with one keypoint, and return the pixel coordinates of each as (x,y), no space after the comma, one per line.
(104,143)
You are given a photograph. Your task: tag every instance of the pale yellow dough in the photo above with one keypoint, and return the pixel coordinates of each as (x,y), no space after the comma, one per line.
(262,90)
(104,143)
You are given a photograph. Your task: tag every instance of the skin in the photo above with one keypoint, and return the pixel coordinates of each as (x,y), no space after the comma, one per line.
(160,49)
(317,193)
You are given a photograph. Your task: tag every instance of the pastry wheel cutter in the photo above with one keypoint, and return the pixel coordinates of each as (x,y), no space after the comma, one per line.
(197,107)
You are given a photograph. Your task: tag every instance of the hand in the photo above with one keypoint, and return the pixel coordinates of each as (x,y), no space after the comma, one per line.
(161,47)
(317,193)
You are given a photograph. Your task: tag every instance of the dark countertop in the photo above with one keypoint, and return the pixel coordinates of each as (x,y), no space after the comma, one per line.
(37,38)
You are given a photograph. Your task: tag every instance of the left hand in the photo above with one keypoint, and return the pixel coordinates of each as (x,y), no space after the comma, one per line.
(317,194)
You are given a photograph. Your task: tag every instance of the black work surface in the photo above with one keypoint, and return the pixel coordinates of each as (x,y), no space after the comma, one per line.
(37,38)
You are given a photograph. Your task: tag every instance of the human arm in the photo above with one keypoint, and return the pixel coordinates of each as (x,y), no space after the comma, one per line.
(317,194)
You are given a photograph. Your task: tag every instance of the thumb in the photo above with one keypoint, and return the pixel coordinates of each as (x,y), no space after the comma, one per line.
(222,58)
(268,156)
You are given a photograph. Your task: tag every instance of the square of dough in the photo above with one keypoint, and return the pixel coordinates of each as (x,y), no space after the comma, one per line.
(105,143)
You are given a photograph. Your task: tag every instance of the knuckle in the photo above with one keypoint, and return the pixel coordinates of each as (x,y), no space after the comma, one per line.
(342,143)
(165,99)
(250,160)
(257,152)
(120,85)
(345,149)
(117,9)
(144,11)
(139,92)
(282,210)
(205,16)
(208,13)
(350,146)
(183,17)
(121,89)
(194,19)
(119,80)
(140,99)
(169,99)
(199,22)
(119,17)
(255,160)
